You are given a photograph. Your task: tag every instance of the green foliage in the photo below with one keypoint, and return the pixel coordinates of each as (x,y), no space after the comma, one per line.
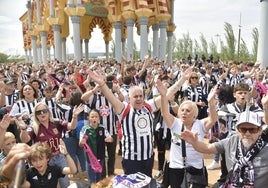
(185,46)
(3,58)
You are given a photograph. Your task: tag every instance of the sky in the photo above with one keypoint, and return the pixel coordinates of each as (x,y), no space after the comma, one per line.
(195,17)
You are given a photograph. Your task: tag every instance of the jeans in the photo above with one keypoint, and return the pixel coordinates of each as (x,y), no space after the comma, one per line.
(94,177)
(75,151)
(60,160)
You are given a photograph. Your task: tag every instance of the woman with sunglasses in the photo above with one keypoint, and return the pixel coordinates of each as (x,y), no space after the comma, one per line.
(46,129)
(194,93)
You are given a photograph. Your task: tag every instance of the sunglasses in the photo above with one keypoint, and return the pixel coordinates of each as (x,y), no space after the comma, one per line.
(194,77)
(250,130)
(39,112)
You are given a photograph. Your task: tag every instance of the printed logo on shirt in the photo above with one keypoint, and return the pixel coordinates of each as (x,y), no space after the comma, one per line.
(55,131)
(143,125)
(104,111)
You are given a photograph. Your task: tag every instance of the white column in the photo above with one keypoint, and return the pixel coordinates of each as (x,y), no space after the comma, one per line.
(107,50)
(262,55)
(118,35)
(39,54)
(30,55)
(129,24)
(76,37)
(57,42)
(163,36)
(155,28)
(169,47)
(86,49)
(144,37)
(34,47)
(63,43)
(44,46)
(51,8)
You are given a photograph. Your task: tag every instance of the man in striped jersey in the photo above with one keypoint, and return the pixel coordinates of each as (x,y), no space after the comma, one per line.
(137,124)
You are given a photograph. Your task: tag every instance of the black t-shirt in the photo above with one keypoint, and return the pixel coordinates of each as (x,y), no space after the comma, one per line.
(48,180)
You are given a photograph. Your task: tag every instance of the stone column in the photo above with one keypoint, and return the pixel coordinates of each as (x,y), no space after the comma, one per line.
(118,46)
(129,24)
(63,43)
(124,49)
(26,55)
(155,28)
(262,55)
(144,37)
(76,37)
(48,54)
(107,50)
(34,47)
(86,48)
(30,55)
(39,54)
(169,47)
(57,42)
(44,46)
(163,36)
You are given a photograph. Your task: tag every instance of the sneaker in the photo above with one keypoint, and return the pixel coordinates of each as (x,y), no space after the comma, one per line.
(159,175)
(213,165)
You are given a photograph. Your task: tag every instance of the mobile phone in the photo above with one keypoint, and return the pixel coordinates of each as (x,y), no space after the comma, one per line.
(20,174)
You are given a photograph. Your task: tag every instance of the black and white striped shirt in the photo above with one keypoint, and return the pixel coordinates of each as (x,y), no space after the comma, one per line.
(12,98)
(23,107)
(137,129)
(107,114)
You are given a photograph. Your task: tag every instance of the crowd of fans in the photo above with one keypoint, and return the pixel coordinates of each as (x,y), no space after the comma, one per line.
(102,103)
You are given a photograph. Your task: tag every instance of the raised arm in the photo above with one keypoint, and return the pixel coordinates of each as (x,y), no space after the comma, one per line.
(264,102)
(175,87)
(213,115)
(167,116)
(116,103)
(192,138)
(71,167)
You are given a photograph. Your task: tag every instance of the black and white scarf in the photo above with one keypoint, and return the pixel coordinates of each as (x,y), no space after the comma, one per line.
(242,174)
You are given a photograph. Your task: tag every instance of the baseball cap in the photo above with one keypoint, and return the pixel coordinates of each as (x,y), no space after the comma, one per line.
(249,117)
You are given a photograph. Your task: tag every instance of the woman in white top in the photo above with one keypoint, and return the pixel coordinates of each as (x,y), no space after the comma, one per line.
(186,119)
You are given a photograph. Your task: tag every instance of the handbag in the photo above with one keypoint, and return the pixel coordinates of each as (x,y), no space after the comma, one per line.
(94,162)
(193,175)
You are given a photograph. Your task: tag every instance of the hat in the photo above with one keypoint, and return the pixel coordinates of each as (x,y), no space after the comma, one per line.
(8,81)
(249,117)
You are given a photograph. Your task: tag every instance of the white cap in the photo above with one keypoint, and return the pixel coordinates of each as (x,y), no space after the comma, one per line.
(249,117)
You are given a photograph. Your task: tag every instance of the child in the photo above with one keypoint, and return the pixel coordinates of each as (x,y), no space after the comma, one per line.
(9,142)
(95,136)
(41,174)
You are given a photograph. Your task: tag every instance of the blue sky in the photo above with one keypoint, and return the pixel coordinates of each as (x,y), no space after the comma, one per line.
(193,16)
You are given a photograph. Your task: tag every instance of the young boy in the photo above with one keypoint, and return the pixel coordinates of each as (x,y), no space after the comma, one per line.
(95,136)
(9,142)
(41,174)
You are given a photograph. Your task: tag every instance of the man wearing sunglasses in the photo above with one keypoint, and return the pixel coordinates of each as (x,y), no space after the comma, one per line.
(245,152)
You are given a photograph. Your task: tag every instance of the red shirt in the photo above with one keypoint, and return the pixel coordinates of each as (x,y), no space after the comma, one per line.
(52,135)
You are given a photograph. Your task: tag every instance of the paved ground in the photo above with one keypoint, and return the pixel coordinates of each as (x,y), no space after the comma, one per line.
(213,175)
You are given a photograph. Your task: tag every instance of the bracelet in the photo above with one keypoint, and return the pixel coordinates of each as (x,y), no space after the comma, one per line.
(66,154)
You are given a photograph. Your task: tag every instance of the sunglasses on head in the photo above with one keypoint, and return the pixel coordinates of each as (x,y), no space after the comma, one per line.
(250,130)
(39,112)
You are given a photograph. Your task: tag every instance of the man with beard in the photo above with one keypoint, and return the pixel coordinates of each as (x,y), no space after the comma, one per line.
(245,152)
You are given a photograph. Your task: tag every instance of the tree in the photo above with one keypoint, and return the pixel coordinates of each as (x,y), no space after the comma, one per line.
(244,53)
(230,40)
(3,58)
(204,45)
